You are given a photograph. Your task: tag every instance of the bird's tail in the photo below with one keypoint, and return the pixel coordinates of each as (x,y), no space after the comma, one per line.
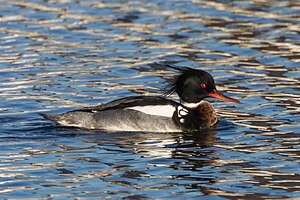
(51,117)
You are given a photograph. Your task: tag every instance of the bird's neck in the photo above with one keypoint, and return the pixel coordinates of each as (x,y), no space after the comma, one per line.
(190,105)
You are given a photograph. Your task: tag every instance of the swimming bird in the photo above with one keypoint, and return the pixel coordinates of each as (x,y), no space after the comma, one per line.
(154,113)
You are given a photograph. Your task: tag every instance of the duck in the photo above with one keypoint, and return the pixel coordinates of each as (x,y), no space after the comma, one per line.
(156,113)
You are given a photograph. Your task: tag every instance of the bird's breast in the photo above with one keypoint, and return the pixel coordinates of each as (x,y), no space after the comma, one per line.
(207,113)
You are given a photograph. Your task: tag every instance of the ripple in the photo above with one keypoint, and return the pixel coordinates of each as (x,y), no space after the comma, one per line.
(60,55)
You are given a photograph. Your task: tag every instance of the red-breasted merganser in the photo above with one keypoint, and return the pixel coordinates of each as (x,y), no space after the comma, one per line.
(154,113)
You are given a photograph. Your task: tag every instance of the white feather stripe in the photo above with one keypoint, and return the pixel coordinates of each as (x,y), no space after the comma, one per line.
(191,105)
(158,110)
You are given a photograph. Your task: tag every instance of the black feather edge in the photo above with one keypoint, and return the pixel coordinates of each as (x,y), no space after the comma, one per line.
(172,82)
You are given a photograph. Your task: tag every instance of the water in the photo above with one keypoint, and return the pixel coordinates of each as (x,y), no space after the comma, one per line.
(56,56)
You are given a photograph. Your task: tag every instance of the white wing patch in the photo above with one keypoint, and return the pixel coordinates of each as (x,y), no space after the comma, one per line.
(158,110)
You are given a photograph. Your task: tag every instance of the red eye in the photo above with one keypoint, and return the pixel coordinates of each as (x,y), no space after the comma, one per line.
(203,85)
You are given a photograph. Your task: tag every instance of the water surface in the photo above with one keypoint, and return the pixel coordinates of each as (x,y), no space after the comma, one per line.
(60,55)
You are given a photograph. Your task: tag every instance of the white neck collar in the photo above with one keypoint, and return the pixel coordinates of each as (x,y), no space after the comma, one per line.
(190,105)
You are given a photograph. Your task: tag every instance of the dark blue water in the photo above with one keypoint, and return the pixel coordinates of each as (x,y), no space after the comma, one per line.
(56,56)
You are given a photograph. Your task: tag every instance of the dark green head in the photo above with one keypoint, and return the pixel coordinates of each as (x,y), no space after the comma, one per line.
(193,85)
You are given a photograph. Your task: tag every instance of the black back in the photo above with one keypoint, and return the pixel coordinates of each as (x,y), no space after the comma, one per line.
(131,102)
